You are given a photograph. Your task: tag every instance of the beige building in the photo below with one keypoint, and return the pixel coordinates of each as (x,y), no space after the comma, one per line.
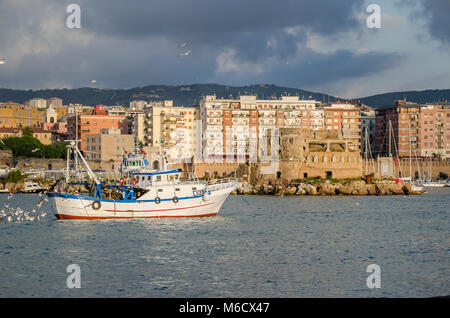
(110,144)
(170,129)
(38,102)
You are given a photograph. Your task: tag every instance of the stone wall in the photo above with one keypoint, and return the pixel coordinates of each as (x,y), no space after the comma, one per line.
(6,158)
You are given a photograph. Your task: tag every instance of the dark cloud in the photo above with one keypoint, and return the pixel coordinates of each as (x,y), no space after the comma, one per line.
(436,14)
(210,19)
(134,43)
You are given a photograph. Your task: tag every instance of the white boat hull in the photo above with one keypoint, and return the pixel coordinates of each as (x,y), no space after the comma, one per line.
(434,185)
(81,207)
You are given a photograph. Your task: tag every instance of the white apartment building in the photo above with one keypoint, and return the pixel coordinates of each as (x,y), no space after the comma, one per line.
(241,121)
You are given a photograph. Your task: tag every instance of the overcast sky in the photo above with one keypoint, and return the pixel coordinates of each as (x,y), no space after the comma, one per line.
(320,45)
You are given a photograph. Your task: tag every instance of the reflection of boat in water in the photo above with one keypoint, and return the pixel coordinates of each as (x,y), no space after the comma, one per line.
(152,193)
(33,187)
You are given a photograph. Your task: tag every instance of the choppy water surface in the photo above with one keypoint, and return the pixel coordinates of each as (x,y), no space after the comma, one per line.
(259,246)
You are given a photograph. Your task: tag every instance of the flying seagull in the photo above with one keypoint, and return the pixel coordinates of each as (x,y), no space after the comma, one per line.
(93,81)
(185,53)
(34,150)
(182,45)
(2,61)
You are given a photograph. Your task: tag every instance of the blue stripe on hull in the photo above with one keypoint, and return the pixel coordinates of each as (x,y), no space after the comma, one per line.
(72,196)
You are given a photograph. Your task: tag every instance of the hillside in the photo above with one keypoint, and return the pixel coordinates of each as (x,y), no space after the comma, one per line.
(186,95)
(189,95)
(427,96)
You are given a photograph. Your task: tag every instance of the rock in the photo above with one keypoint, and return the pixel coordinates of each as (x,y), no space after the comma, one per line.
(291,190)
(380,189)
(346,190)
(300,191)
(10,187)
(359,183)
(311,190)
(2,186)
(20,186)
(395,189)
(362,190)
(371,189)
(326,188)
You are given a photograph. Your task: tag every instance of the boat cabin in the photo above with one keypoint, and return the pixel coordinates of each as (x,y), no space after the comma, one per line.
(133,162)
(148,179)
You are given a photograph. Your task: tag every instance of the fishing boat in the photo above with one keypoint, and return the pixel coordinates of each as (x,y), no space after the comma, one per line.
(150,194)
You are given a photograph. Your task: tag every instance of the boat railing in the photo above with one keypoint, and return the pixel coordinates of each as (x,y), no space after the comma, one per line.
(219,184)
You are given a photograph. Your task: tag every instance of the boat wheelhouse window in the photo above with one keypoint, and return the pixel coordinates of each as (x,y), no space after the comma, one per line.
(194,188)
(158,178)
(148,178)
(177,189)
(160,190)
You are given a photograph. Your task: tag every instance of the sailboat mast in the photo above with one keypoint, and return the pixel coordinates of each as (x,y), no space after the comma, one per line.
(390,137)
(410,150)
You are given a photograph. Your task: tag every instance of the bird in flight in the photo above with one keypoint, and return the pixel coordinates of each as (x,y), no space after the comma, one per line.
(185,53)
(2,61)
(93,81)
(182,45)
(34,150)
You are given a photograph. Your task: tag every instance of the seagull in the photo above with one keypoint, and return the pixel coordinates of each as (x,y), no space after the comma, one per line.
(2,61)
(182,45)
(185,53)
(40,203)
(2,141)
(34,150)
(93,81)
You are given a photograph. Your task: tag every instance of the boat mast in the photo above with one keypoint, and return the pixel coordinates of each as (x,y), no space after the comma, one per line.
(90,172)
(366,150)
(410,150)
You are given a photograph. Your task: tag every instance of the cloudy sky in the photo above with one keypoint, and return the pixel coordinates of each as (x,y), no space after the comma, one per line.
(321,45)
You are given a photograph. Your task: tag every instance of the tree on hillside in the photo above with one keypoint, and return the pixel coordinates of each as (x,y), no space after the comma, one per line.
(27,131)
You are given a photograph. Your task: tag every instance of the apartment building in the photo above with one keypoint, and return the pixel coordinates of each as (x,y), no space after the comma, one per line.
(108,144)
(345,118)
(434,131)
(93,124)
(170,129)
(231,127)
(425,127)
(367,126)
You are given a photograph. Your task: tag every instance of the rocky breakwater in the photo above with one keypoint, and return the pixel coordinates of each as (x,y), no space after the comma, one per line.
(13,187)
(325,187)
